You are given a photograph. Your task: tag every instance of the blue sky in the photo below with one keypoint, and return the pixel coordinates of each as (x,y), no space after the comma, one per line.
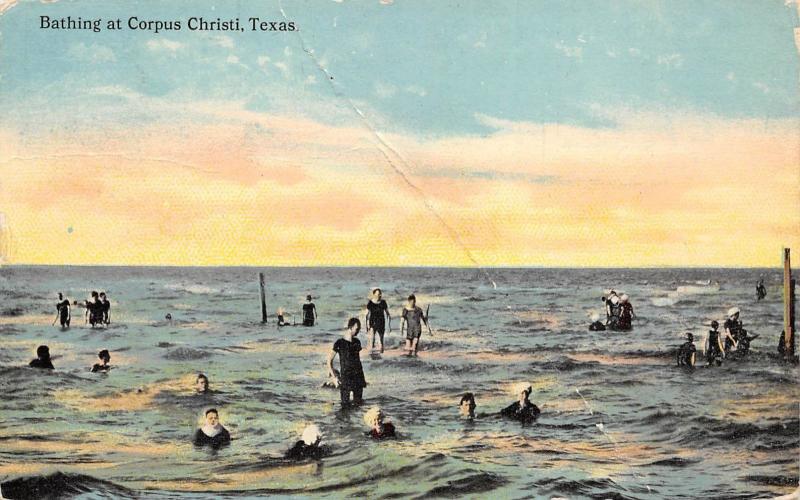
(426,67)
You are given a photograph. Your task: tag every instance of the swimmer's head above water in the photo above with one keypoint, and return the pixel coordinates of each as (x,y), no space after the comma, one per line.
(201,384)
(523,391)
(467,405)
(104,356)
(43,352)
(312,435)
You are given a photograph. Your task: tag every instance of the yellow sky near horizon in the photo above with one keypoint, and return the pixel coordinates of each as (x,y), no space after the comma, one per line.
(247,188)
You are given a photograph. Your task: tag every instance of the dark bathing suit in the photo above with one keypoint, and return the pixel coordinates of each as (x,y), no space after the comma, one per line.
(525,415)
(713,347)
(350,370)
(105,308)
(63,312)
(685,352)
(414,319)
(100,368)
(388,432)
(203,439)
(308,314)
(38,363)
(735,327)
(303,451)
(377,321)
(95,312)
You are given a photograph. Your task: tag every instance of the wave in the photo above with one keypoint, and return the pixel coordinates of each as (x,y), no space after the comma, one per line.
(187,354)
(683,292)
(709,430)
(60,485)
(470,485)
(193,289)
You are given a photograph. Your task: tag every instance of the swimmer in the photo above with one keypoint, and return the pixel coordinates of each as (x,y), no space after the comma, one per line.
(105,357)
(375,321)
(412,319)
(281,319)
(597,325)
(351,377)
(201,384)
(687,353)
(715,352)
(380,429)
(212,433)
(309,312)
(466,407)
(168,317)
(63,311)
(42,358)
(522,409)
(308,446)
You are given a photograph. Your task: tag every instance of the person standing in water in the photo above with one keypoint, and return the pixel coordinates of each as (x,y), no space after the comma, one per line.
(351,377)
(105,309)
(412,319)
(212,433)
(64,311)
(94,312)
(733,329)
(626,314)
(715,352)
(376,323)
(42,359)
(687,352)
(309,312)
(761,290)
(105,357)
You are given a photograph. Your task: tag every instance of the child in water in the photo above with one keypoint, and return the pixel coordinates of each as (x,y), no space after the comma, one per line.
(374,418)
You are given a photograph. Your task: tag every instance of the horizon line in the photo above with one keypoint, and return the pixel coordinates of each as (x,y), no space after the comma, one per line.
(357,266)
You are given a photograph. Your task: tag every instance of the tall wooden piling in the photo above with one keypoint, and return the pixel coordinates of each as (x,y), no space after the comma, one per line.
(788,305)
(263,298)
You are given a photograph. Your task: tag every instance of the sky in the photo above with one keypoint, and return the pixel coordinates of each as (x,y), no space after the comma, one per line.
(402,132)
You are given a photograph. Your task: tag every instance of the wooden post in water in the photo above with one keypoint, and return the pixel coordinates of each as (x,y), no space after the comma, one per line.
(788,303)
(263,298)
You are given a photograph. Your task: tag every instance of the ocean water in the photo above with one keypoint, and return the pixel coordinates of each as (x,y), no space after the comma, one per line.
(619,420)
